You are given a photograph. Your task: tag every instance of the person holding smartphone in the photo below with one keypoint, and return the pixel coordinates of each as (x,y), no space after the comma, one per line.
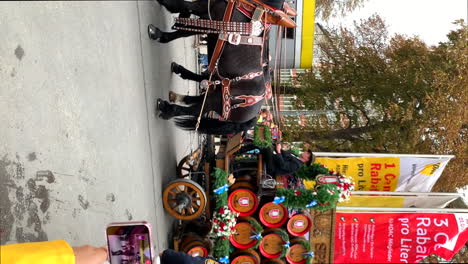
(51,252)
(170,256)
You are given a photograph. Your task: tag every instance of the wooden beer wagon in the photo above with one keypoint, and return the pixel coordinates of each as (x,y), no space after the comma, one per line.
(264,228)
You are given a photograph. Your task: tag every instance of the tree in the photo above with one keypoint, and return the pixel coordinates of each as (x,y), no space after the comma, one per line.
(326,9)
(446,120)
(387,94)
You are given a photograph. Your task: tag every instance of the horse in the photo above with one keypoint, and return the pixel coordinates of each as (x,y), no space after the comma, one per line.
(237,90)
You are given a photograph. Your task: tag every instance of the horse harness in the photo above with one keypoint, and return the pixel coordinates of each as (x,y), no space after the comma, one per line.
(235,33)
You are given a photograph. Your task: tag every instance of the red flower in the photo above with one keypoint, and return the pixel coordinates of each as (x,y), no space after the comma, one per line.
(331,172)
(216,221)
(232,228)
(222,224)
(297,193)
(221,210)
(321,165)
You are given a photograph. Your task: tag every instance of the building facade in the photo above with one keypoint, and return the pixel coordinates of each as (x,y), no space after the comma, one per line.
(297,43)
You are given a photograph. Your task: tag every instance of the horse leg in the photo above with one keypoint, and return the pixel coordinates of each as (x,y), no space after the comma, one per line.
(168,110)
(198,8)
(155,33)
(188,75)
(185,99)
(173,6)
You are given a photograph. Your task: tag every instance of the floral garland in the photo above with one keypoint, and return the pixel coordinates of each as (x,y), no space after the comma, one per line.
(309,254)
(285,237)
(266,141)
(322,198)
(221,249)
(311,172)
(258,229)
(224,221)
(220,188)
(345,186)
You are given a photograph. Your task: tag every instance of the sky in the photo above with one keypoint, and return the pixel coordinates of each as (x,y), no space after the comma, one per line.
(431,20)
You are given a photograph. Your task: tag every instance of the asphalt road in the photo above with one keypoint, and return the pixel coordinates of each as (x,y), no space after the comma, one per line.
(80,145)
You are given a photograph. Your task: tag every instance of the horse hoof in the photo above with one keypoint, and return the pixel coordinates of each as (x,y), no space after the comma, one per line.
(175,68)
(172,97)
(153,32)
(159,104)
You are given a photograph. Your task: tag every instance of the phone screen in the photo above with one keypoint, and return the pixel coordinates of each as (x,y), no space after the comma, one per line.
(129,244)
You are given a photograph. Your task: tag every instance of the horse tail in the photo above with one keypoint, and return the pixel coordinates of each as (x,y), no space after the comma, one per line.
(214,126)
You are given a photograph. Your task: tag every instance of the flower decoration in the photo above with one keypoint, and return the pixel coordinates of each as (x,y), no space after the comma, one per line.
(224,221)
(345,186)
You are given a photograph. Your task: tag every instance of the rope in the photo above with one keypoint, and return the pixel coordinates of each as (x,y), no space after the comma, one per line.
(203,104)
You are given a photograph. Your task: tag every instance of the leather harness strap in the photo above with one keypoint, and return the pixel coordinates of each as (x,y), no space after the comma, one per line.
(272,16)
(220,43)
(237,39)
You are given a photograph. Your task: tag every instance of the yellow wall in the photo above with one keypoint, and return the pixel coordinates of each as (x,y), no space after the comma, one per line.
(308,28)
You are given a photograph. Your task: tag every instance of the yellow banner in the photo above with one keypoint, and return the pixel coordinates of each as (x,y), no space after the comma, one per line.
(374,201)
(369,174)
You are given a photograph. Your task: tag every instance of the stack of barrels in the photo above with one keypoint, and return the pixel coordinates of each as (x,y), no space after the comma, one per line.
(275,220)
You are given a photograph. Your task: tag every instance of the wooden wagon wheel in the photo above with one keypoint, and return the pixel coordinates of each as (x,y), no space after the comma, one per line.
(184,168)
(184,199)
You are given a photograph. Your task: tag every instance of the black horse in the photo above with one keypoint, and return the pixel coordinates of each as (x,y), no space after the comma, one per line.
(241,65)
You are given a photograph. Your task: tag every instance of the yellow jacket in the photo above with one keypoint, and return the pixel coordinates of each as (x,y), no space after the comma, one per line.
(49,252)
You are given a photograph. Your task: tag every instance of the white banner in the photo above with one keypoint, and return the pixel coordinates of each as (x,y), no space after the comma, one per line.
(419,174)
(386,172)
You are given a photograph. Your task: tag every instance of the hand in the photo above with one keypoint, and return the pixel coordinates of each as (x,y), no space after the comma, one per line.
(90,255)
(278,148)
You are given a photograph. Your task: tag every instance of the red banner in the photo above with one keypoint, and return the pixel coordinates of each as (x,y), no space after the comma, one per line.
(397,237)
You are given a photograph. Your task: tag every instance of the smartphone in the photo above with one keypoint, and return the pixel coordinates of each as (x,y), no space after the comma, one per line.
(129,243)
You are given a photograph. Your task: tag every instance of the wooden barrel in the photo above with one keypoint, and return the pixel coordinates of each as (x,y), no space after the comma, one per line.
(243,184)
(271,245)
(299,225)
(244,178)
(194,246)
(273,215)
(248,256)
(273,261)
(242,200)
(242,236)
(295,254)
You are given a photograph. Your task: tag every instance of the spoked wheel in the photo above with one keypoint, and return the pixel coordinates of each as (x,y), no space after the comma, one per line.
(189,163)
(184,199)
(185,167)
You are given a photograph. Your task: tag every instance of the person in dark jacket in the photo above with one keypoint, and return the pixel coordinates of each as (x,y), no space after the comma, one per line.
(281,162)
(170,256)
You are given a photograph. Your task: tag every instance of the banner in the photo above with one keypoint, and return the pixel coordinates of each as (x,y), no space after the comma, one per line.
(425,201)
(381,237)
(402,174)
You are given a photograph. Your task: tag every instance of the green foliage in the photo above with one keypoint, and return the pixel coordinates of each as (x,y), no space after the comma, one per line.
(325,199)
(306,245)
(326,9)
(326,195)
(258,229)
(221,248)
(296,201)
(266,141)
(311,172)
(220,179)
(380,93)
(285,237)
